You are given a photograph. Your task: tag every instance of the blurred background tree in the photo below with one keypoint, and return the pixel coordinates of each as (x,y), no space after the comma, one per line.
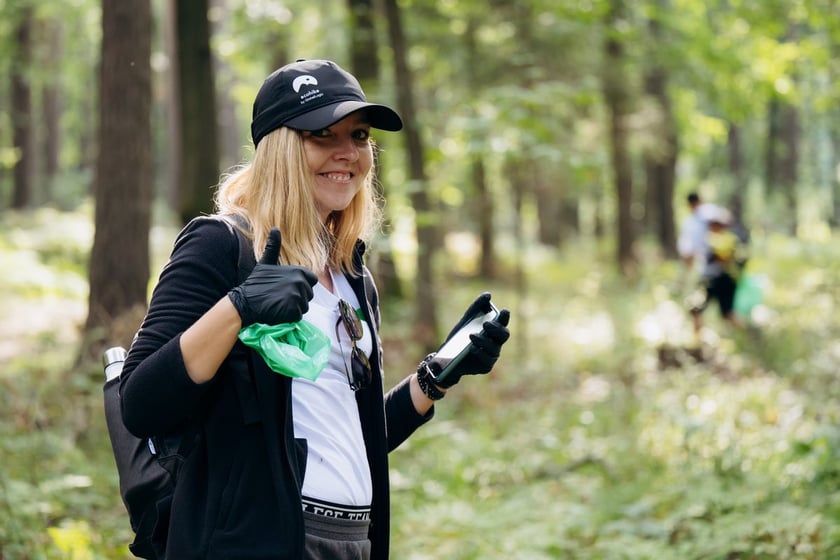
(122,186)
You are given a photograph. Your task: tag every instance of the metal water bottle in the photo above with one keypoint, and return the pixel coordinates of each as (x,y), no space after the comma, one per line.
(112,361)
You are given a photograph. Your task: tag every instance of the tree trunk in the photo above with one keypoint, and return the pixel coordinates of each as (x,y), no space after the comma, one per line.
(22,118)
(230,133)
(548,195)
(782,165)
(771,172)
(661,169)
(485,219)
(618,101)
(428,240)
(364,64)
(782,153)
(278,49)
(483,196)
(171,153)
(517,172)
(88,127)
(197,106)
(834,182)
(569,218)
(119,260)
(364,59)
(661,161)
(790,135)
(736,169)
(52,95)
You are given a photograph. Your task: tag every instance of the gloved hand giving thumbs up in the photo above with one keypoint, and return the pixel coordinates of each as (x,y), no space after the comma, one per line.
(273,293)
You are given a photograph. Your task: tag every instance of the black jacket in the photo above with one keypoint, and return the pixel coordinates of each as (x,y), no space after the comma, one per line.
(238,493)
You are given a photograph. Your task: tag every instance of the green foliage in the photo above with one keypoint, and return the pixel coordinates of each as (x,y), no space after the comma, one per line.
(58,489)
(57,481)
(583,445)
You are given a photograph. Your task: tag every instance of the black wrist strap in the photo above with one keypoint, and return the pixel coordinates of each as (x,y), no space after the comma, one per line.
(424,379)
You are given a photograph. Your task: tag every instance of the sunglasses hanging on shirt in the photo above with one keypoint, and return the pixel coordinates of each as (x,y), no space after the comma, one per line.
(359,363)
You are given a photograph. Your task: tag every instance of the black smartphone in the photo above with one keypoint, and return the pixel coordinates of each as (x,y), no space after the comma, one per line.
(455,349)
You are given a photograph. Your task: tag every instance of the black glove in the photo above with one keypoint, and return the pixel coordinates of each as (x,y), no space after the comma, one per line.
(273,293)
(485,346)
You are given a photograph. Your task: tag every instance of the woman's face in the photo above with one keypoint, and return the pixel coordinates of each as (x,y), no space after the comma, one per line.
(339,158)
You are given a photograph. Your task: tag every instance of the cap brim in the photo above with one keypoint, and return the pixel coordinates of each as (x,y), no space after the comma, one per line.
(379,116)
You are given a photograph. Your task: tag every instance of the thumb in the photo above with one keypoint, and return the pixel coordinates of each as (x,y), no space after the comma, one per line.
(272,247)
(482,301)
(480,304)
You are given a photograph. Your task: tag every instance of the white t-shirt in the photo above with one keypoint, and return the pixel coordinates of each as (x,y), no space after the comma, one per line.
(324,412)
(692,240)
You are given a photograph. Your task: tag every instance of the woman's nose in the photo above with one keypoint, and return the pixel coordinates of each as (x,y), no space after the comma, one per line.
(347,149)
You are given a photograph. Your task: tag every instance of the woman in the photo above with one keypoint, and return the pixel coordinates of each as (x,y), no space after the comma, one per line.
(285,467)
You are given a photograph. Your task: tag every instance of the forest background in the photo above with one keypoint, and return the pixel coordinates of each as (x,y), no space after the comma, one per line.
(547,153)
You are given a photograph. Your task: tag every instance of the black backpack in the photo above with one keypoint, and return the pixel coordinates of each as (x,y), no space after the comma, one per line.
(148,468)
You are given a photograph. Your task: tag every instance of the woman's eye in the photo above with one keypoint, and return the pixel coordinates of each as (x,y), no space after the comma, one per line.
(359,134)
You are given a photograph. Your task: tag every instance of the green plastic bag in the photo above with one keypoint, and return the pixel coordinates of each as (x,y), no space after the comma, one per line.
(291,349)
(748,294)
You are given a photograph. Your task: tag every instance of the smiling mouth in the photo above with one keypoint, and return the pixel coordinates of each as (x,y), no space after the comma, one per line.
(338,177)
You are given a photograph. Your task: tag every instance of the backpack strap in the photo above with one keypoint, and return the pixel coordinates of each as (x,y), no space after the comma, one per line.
(245,263)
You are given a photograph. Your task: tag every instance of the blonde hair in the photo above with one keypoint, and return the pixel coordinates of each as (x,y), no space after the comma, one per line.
(274,190)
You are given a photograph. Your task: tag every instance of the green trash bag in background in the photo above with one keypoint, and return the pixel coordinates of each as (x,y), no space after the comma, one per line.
(748,294)
(291,349)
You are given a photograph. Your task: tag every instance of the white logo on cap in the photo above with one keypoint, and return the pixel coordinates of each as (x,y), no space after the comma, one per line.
(303,80)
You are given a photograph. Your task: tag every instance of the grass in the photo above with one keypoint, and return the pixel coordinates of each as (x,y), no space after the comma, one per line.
(582,444)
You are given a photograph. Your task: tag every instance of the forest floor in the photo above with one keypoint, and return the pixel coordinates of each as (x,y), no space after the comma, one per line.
(23,323)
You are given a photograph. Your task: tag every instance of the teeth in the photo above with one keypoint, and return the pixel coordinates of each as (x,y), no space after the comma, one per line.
(337,176)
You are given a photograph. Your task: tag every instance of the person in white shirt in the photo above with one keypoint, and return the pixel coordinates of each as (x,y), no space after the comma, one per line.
(692,244)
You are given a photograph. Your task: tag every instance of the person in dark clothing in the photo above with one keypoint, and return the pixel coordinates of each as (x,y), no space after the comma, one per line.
(285,466)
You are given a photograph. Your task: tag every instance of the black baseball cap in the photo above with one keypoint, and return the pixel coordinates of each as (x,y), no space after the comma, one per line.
(312,95)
